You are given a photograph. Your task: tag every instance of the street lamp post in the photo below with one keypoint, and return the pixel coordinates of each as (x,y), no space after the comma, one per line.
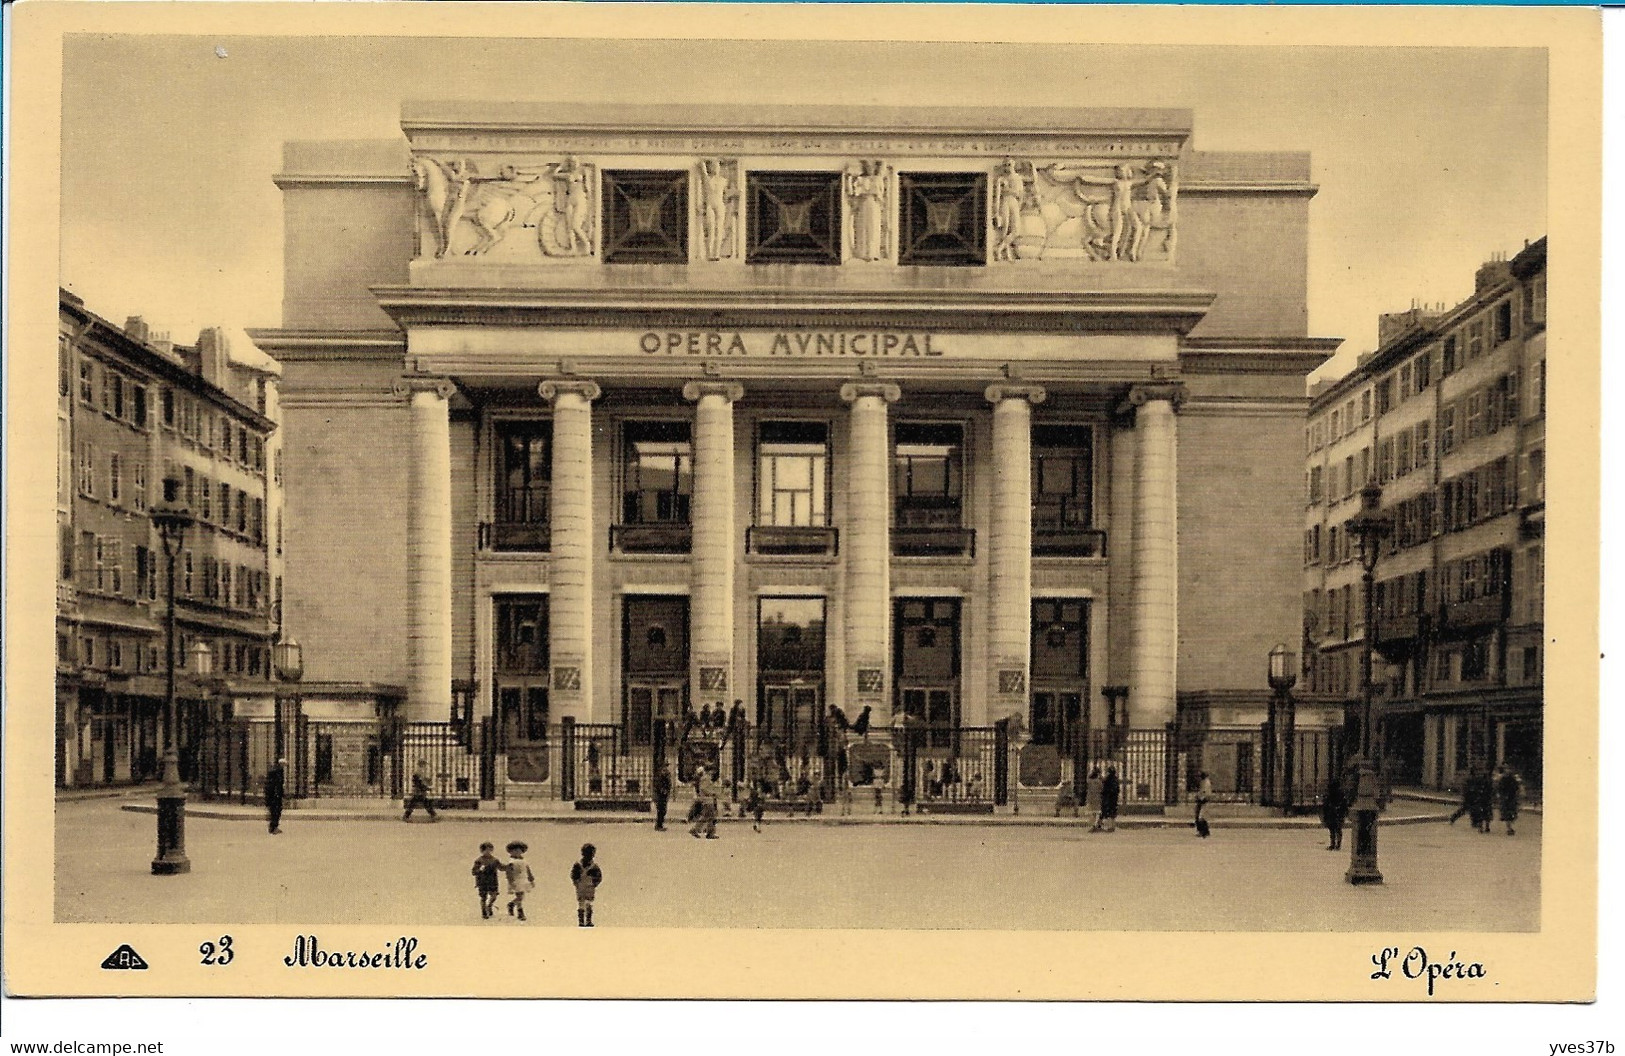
(1283,675)
(288,659)
(172,518)
(1371,525)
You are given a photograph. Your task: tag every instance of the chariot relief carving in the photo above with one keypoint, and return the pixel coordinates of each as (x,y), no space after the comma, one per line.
(719,207)
(470,213)
(868,186)
(1122,212)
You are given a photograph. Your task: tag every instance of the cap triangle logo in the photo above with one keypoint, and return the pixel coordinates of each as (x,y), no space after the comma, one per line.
(124,957)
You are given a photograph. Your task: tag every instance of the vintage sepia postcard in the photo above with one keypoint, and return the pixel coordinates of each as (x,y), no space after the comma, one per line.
(802,502)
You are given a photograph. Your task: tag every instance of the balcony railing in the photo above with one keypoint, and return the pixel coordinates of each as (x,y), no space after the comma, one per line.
(509,536)
(783,540)
(933,541)
(1062,541)
(1480,612)
(651,538)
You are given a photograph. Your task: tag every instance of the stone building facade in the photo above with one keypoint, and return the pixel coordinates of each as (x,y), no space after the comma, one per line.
(132,409)
(609,412)
(1448,417)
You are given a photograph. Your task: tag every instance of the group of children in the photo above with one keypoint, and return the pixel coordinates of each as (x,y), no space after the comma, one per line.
(585,876)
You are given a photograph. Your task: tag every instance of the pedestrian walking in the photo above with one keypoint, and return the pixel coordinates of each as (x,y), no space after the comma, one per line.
(1110,789)
(1468,800)
(662,793)
(420,795)
(880,795)
(1204,793)
(586,875)
(754,806)
(1092,792)
(1509,790)
(520,878)
(1066,799)
(706,797)
(485,879)
(275,786)
(846,796)
(1334,811)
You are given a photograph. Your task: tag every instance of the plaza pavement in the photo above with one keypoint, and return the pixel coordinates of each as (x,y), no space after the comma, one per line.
(1030,872)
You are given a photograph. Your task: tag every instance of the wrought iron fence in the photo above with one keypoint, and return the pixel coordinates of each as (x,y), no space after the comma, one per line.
(964,768)
(232,758)
(1148,762)
(444,752)
(1233,761)
(605,767)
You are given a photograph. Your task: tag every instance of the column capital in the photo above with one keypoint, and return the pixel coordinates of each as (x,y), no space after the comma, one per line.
(552,390)
(855,390)
(409,384)
(1006,390)
(694,391)
(1140,395)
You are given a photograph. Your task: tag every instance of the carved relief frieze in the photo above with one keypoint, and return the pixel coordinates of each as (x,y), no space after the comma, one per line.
(1122,212)
(719,208)
(868,193)
(465,211)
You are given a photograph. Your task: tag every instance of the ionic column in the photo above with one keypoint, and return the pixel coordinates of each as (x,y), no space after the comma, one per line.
(867,549)
(428,549)
(1155,585)
(1010,551)
(711,674)
(569,605)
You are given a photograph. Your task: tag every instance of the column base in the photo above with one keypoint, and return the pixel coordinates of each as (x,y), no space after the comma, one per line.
(1363,859)
(171,858)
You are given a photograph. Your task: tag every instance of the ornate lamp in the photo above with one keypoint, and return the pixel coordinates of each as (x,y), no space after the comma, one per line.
(171,517)
(288,660)
(1371,526)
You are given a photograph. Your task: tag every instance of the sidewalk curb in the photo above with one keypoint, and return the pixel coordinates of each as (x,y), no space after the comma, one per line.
(982,821)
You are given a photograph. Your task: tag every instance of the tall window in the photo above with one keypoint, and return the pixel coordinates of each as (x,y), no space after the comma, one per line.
(1063,477)
(87,469)
(792,474)
(115,477)
(659,473)
(929,474)
(524,490)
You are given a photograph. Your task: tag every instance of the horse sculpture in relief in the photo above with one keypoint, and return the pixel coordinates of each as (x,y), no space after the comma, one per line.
(553,198)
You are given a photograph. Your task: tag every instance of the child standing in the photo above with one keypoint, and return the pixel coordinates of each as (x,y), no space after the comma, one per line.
(520,878)
(586,876)
(485,879)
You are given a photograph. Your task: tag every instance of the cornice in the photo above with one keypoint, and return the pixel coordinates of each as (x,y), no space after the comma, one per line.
(1056,311)
(294,346)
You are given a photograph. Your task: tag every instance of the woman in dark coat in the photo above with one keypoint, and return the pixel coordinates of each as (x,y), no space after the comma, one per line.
(1334,810)
(1508,789)
(1110,788)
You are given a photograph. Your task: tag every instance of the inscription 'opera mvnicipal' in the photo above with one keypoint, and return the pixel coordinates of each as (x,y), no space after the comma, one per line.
(790,343)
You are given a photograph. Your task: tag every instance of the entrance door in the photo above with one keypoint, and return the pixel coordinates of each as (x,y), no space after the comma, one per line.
(519,671)
(1058,718)
(650,700)
(792,711)
(926,651)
